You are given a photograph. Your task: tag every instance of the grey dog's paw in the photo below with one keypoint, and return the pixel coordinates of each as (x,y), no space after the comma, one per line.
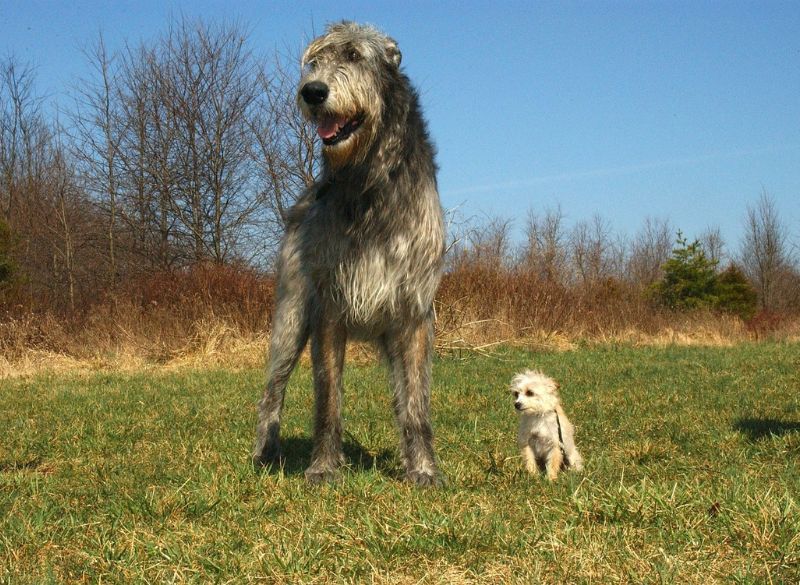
(320,475)
(425,478)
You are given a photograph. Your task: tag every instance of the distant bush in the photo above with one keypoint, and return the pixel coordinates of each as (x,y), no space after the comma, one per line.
(690,279)
(766,323)
(691,282)
(8,268)
(237,293)
(735,294)
(6,263)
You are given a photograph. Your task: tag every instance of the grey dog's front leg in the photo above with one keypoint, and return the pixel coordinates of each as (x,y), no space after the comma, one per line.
(409,352)
(289,336)
(328,340)
(288,340)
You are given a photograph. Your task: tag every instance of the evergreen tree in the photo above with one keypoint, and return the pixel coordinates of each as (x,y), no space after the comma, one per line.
(690,278)
(735,294)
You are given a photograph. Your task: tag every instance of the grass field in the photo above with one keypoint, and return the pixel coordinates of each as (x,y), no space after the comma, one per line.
(692,476)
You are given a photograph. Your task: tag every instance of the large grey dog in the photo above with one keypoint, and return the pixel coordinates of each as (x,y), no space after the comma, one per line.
(363,251)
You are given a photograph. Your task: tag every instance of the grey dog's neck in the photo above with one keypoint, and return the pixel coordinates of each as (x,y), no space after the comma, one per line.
(409,151)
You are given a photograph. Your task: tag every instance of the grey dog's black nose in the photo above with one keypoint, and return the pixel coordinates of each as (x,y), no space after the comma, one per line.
(314,93)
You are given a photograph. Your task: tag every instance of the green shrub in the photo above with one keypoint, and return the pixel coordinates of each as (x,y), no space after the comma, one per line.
(690,279)
(735,294)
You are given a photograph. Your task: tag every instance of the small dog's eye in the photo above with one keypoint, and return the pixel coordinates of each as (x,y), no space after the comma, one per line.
(516,394)
(528,393)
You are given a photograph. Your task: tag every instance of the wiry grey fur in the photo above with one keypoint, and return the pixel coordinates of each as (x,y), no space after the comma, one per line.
(362,255)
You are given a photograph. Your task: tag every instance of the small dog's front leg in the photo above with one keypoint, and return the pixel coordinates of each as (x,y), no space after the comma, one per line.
(529,459)
(554,460)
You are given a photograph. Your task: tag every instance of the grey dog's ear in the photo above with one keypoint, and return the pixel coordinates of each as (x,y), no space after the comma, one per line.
(393,54)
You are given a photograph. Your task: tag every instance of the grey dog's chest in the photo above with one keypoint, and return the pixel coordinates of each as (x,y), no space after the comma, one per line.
(361,263)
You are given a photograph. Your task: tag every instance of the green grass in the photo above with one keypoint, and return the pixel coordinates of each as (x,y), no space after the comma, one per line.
(692,476)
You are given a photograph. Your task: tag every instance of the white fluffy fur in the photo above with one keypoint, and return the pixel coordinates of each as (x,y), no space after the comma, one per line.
(546,437)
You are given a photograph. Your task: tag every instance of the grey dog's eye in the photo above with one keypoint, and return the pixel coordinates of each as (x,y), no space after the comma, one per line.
(353,55)
(308,67)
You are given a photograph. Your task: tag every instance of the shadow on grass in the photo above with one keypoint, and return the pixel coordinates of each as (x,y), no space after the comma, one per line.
(761,428)
(12,466)
(297,457)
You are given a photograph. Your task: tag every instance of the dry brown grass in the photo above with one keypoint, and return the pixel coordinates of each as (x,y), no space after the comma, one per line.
(481,306)
(219,317)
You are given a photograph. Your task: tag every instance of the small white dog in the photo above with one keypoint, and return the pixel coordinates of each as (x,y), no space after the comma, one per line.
(546,437)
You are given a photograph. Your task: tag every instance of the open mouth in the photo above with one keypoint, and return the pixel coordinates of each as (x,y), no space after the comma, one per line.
(335,129)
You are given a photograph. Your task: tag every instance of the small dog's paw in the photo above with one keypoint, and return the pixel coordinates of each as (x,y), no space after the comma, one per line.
(425,478)
(320,475)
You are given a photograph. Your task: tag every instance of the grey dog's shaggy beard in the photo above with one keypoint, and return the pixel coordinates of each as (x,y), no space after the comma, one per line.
(362,255)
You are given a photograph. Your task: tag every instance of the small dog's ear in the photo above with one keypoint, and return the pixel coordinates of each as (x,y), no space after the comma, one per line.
(558,386)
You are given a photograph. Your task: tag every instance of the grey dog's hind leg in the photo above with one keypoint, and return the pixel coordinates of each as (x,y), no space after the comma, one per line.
(290,330)
(409,353)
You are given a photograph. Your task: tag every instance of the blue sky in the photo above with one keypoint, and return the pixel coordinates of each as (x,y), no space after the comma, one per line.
(678,110)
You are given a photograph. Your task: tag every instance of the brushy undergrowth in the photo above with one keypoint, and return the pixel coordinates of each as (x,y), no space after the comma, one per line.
(220,315)
(143,477)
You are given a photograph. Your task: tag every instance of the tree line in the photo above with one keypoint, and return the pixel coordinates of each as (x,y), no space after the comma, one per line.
(187,150)
(180,151)
(658,262)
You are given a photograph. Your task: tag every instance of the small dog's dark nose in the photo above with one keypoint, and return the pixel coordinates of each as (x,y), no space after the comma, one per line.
(314,93)
(518,406)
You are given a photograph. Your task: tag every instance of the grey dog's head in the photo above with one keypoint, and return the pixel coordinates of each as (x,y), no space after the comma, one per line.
(345,73)
(534,393)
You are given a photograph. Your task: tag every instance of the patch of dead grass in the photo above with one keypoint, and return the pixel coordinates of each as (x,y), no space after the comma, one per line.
(132,339)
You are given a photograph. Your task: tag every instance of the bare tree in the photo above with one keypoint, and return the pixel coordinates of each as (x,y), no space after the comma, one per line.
(209,82)
(650,249)
(545,248)
(148,152)
(23,133)
(483,243)
(98,128)
(764,252)
(41,199)
(285,146)
(489,242)
(713,245)
(167,142)
(594,254)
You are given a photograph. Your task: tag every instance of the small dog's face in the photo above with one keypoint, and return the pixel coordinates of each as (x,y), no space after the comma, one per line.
(534,392)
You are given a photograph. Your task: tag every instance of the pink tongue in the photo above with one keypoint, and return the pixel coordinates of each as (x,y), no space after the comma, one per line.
(329,127)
